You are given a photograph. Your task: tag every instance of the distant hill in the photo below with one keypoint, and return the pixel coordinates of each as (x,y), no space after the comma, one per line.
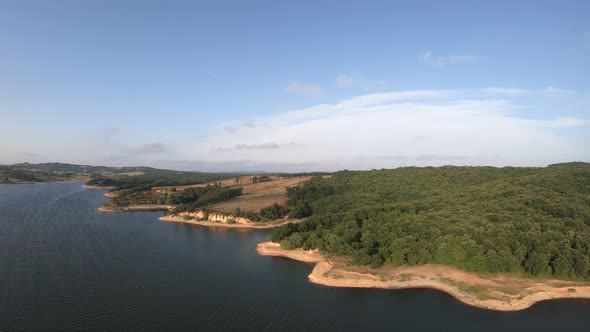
(572,163)
(27,173)
(125,177)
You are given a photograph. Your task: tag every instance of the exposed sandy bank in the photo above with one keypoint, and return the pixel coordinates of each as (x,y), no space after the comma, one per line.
(498,292)
(250,225)
(88,186)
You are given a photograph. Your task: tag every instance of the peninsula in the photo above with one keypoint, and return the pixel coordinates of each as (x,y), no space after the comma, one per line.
(496,238)
(243,201)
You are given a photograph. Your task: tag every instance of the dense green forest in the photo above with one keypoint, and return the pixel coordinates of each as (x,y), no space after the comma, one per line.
(152,177)
(533,221)
(272,212)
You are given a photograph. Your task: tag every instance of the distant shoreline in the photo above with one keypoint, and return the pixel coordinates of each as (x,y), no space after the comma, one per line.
(253,225)
(89,186)
(500,293)
(52,181)
(135,208)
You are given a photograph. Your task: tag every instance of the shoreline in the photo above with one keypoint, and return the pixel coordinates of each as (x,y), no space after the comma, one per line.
(252,225)
(134,208)
(89,186)
(500,293)
(51,181)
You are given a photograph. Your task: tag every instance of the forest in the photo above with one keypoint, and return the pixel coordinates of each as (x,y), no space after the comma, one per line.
(29,173)
(529,221)
(151,177)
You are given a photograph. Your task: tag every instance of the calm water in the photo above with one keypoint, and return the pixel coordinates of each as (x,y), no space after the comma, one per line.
(65,266)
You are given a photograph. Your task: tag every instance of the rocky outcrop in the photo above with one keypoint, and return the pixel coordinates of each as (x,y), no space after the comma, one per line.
(215,217)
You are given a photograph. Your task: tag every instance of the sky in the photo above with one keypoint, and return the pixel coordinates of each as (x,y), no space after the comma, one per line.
(294,85)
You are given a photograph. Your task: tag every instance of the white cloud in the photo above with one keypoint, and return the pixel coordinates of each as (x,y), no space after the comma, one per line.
(147,148)
(305,89)
(504,91)
(344,80)
(566,122)
(416,127)
(551,89)
(430,58)
(515,91)
(356,79)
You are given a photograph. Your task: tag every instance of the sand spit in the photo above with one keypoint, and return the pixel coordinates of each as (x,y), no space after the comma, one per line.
(497,292)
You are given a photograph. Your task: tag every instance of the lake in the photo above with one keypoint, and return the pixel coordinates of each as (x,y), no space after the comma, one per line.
(63,265)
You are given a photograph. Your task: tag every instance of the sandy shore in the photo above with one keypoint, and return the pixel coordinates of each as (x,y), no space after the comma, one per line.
(497,292)
(254,225)
(131,208)
(88,186)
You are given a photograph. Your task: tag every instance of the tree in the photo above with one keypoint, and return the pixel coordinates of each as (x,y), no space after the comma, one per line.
(536,263)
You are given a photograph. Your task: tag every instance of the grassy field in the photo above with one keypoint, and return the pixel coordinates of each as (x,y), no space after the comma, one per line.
(259,195)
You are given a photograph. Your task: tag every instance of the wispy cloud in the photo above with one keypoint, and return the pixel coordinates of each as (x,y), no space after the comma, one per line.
(147,148)
(262,146)
(357,80)
(567,122)
(230,129)
(418,127)
(430,58)
(505,91)
(305,89)
(344,80)
(552,89)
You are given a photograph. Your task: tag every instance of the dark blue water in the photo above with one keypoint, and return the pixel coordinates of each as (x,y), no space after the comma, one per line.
(63,265)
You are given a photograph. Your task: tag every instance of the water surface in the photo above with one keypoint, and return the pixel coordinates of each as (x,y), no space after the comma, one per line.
(63,265)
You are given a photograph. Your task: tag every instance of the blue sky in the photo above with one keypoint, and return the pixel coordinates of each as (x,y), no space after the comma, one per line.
(304,85)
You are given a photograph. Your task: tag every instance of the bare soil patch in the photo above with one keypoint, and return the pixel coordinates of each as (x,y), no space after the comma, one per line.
(252,225)
(259,195)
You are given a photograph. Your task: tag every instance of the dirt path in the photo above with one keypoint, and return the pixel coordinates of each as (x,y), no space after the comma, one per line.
(495,292)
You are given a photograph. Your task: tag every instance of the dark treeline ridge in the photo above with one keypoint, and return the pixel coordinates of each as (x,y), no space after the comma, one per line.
(12,175)
(155,177)
(532,221)
(292,175)
(192,199)
(27,173)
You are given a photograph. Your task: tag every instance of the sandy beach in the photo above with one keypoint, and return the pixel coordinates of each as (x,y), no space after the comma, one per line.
(495,292)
